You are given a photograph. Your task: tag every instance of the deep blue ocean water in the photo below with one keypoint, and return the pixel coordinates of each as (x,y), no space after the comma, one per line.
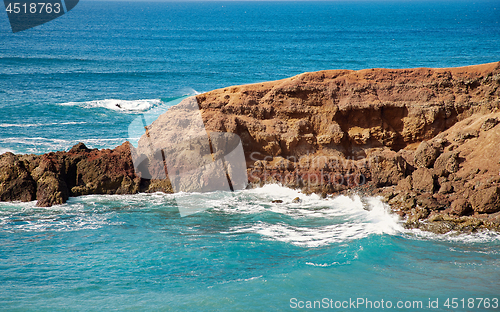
(60,83)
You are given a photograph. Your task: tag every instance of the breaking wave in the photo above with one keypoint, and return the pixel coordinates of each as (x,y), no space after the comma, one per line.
(118,105)
(309,222)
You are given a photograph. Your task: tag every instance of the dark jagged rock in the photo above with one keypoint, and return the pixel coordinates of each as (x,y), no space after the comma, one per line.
(52,178)
(16,182)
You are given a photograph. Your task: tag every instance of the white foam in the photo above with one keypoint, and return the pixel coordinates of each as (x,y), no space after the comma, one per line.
(26,217)
(6,125)
(6,150)
(323,264)
(41,145)
(452,236)
(340,219)
(314,222)
(118,105)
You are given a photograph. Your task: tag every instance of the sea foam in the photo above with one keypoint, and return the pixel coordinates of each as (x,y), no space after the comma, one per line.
(322,221)
(118,105)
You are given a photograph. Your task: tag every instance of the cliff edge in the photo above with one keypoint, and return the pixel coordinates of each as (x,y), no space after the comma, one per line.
(426,139)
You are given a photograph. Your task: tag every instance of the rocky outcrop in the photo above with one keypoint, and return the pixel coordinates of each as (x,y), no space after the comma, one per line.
(461,188)
(52,178)
(425,139)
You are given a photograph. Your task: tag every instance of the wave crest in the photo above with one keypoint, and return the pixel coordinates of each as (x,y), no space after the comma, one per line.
(118,105)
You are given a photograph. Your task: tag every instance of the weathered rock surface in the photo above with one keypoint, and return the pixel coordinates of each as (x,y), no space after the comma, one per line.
(426,139)
(52,178)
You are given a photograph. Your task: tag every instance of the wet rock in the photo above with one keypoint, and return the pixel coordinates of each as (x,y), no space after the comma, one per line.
(417,213)
(403,201)
(296,200)
(276,201)
(52,178)
(51,190)
(438,227)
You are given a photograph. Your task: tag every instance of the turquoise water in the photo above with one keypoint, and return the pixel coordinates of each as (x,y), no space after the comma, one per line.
(243,253)
(60,83)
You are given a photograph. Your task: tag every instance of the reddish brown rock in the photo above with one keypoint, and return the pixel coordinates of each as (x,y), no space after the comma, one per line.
(423,180)
(51,190)
(446,163)
(426,155)
(52,178)
(328,132)
(486,200)
(388,169)
(460,207)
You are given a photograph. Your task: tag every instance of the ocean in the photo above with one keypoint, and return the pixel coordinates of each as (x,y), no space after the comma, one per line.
(87,75)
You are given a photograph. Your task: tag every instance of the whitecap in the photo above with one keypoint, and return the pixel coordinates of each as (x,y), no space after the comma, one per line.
(324,264)
(118,105)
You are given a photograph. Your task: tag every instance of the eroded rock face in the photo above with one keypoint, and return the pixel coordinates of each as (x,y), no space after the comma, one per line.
(425,139)
(351,112)
(15,181)
(426,154)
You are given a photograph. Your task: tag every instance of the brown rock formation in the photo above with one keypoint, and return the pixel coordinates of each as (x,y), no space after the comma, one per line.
(51,178)
(425,139)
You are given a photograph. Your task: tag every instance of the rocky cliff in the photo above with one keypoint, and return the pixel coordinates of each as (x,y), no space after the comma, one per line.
(426,139)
